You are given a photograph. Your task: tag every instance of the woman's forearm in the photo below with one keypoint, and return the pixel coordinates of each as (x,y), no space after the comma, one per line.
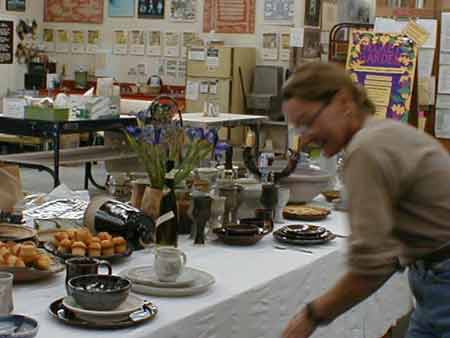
(351,289)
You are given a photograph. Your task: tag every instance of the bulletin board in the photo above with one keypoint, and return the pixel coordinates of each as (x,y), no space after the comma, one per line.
(78,11)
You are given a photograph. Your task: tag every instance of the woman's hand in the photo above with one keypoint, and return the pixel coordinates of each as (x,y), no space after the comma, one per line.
(301,326)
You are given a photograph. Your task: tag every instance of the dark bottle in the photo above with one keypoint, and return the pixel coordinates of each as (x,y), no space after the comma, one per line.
(167,224)
(120,219)
(229,158)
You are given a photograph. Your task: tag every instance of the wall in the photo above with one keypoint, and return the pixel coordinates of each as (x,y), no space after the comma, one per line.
(13,75)
(121,64)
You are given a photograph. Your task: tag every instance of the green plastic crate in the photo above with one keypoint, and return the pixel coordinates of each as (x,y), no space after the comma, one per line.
(47,114)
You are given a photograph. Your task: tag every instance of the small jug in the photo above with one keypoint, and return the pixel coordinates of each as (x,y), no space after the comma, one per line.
(169,264)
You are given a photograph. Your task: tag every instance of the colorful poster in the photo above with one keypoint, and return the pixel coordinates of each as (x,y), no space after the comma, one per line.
(6,42)
(137,42)
(79,11)
(279,11)
(62,41)
(120,42)
(154,46)
(151,9)
(285,47)
(94,41)
(78,42)
(384,64)
(121,8)
(190,39)
(183,10)
(270,46)
(49,39)
(172,44)
(229,16)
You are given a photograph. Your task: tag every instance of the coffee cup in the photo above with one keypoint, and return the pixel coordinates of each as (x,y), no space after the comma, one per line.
(84,266)
(169,264)
(6,290)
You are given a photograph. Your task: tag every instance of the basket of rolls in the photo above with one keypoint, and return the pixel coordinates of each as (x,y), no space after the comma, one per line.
(27,262)
(81,242)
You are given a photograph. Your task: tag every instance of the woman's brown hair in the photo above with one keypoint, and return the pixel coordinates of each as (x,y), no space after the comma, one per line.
(318,81)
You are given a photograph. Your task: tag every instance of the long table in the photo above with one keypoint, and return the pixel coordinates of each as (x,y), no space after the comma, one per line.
(257,290)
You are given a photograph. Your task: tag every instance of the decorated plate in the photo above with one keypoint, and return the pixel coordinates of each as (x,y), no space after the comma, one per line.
(13,232)
(279,236)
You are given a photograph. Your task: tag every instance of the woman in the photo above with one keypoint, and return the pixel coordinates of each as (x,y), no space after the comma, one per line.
(398,184)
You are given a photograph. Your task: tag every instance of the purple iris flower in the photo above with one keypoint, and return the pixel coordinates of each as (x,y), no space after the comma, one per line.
(212,136)
(136,132)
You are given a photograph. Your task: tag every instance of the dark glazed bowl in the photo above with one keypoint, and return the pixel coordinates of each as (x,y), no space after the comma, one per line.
(99,292)
(246,235)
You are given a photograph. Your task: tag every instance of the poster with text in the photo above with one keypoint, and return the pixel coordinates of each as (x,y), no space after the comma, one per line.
(312,13)
(183,10)
(94,41)
(16,5)
(62,41)
(229,16)
(384,64)
(279,12)
(120,42)
(151,9)
(154,45)
(121,8)
(49,39)
(78,42)
(172,44)
(137,42)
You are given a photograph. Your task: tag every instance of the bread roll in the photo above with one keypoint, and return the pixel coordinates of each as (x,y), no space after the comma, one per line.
(104,236)
(3,249)
(20,263)
(43,262)
(2,261)
(10,260)
(28,253)
(95,249)
(107,248)
(120,245)
(65,246)
(79,249)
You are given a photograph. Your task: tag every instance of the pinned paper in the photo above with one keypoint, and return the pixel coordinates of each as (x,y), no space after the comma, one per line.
(213,87)
(192,90)
(204,87)
(297,37)
(416,32)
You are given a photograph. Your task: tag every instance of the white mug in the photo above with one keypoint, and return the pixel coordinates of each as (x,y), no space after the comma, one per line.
(6,293)
(169,264)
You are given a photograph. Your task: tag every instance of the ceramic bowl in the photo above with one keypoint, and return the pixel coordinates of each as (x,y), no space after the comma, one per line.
(241,230)
(99,292)
(305,184)
(259,222)
(18,326)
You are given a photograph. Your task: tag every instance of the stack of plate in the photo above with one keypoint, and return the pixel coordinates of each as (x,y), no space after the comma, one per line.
(133,311)
(303,234)
(190,282)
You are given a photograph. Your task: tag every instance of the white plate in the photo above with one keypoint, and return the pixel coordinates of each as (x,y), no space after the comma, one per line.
(132,304)
(202,281)
(146,275)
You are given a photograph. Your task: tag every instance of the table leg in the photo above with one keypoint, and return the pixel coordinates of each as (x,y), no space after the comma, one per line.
(56,149)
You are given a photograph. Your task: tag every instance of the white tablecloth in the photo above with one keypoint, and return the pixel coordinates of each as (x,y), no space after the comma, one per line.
(258,289)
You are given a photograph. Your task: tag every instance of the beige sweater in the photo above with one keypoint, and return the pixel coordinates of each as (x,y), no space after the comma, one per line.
(398,183)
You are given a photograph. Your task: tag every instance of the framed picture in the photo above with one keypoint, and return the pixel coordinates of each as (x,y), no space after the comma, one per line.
(15,5)
(312,13)
(151,9)
(121,8)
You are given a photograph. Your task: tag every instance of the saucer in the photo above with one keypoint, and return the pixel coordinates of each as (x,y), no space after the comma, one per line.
(18,326)
(146,275)
(322,239)
(202,282)
(63,314)
(133,303)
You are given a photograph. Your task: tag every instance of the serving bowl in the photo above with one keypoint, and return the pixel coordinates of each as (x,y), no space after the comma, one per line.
(99,292)
(18,326)
(242,234)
